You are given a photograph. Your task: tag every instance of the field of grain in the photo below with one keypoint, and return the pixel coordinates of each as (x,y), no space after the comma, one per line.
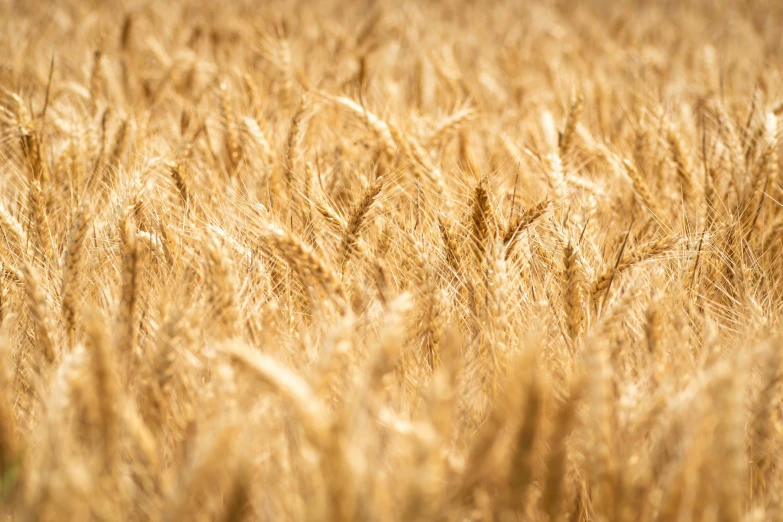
(384,260)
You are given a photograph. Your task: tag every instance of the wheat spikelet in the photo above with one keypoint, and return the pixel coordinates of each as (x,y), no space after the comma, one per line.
(765,176)
(683,162)
(357,219)
(223,288)
(761,423)
(653,332)
(409,146)
(729,474)
(449,124)
(480,222)
(568,136)
(466,157)
(301,255)
(496,283)
(103,141)
(295,138)
(380,127)
(522,221)
(603,461)
(631,257)
(39,220)
(259,138)
(12,227)
(37,303)
(130,283)
(311,411)
(255,97)
(72,265)
(154,398)
(107,390)
(643,190)
(333,219)
(772,235)
(30,141)
(521,475)
(180,177)
(204,469)
(96,80)
(480,454)
(232,140)
(573,290)
(285,65)
(121,139)
(450,246)
(555,481)
(435,327)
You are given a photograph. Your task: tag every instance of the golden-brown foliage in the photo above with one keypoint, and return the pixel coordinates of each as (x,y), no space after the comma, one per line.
(391,261)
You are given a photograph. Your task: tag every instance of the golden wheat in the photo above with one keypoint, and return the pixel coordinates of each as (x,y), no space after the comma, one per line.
(394,261)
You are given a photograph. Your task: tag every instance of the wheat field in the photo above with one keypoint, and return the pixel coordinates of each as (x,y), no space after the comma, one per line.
(391,261)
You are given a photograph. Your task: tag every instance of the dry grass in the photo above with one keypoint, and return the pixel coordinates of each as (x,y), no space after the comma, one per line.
(391,261)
